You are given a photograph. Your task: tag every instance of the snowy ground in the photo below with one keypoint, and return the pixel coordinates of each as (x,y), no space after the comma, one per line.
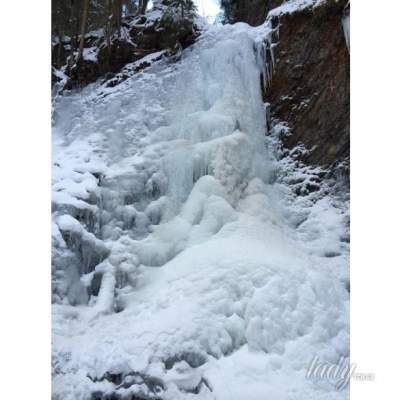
(185,264)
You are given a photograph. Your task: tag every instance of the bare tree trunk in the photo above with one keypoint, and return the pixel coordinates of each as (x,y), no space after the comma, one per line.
(109,25)
(119,16)
(144,6)
(72,41)
(117,13)
(60,48)
(130,7)
(140,6)
(77,19)
(83,28)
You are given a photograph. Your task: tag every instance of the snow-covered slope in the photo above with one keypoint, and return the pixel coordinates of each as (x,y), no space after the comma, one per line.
(182,268)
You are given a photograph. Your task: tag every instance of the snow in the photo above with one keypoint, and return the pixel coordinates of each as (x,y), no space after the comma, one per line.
(90,54)
(291,6)
(60,74)
(208,9)
(217,282)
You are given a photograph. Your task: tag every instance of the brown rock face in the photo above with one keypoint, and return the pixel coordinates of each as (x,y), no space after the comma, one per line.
(310,88)
(311,85)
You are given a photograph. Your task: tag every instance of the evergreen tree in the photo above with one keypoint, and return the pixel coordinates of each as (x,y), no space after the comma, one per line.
(187,8)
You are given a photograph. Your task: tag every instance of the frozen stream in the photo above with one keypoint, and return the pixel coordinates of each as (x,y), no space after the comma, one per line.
(182,269)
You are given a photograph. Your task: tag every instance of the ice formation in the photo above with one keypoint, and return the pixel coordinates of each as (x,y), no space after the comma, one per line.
(182,268)
(346,25)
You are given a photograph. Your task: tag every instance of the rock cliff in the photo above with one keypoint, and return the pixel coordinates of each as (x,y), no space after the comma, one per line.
(310,89)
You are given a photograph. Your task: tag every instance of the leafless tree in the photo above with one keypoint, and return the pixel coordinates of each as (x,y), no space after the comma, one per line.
(83,28)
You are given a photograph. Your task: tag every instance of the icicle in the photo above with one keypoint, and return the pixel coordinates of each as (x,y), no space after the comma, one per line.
(265,52)
(346,24)
(262,62)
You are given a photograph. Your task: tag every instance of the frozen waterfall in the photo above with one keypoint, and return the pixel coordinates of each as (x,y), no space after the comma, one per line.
(178,270)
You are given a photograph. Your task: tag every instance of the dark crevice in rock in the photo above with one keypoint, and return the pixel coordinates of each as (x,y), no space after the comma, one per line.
(195,360)
(331,254)
(89,250)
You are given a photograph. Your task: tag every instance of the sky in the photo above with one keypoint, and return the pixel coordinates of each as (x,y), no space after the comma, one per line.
(208,8)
